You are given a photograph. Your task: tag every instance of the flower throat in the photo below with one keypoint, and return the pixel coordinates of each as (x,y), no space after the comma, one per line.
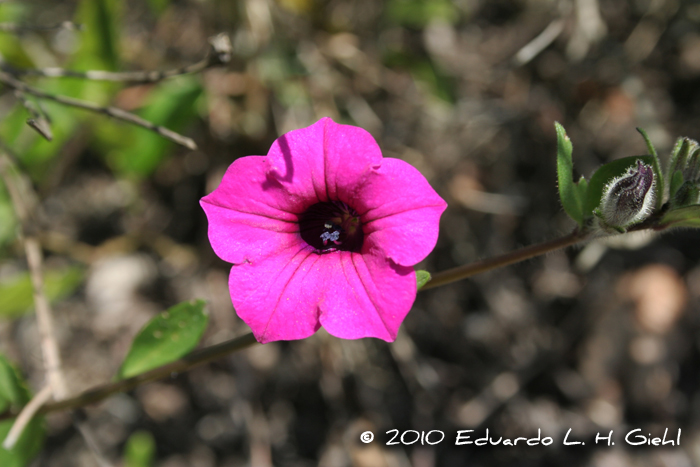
(331,226)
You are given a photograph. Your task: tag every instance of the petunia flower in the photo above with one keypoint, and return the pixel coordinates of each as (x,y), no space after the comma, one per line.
(323,231)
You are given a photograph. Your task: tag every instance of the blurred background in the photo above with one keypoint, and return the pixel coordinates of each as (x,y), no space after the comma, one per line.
(596,338)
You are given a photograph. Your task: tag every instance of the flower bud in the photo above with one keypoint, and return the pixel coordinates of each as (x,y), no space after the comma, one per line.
(684,157)
(628,199)
(687,194)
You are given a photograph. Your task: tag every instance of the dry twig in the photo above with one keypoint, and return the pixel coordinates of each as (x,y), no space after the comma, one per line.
(39,121)
(25,416)
(49,347)
(9,80)
(219,53)
(539,43)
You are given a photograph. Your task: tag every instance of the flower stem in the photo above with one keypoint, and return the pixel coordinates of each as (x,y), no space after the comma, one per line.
(468,270)
(207,354)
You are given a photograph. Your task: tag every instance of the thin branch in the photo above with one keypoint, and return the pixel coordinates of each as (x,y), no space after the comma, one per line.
(539,43)
(80,421)
(25,416)
(468,270)
(32,248)
(219,53)
(9,80)
(49,347)
(194,359)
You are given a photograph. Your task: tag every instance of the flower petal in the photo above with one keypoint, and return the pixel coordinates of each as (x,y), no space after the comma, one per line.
(400,211)
(367,296)
(247,219)
(278,296)
(322,162)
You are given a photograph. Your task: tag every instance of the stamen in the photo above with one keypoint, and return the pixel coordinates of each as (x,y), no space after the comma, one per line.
(331,226)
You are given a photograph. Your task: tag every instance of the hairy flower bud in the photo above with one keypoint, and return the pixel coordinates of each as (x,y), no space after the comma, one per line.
(628,199)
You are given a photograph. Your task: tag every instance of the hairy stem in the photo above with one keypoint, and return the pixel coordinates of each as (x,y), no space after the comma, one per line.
(194,359)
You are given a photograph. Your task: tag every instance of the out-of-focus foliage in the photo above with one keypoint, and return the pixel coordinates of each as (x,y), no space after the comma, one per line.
(140,450)
(16,291)
(588,337)
(14,395)
(418,13)
(136,151)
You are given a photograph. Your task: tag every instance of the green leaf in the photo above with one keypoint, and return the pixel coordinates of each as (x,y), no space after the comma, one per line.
(16,296)
(422,278)
(656,165)
(167,337)
(570,193)
(688,216)
(140,450)
(99,39)
(14,394)
(603,175)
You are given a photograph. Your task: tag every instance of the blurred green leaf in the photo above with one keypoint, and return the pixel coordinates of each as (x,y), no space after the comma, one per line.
(603,175)
(16,292)
(571,194)
(424,72)
(137,151)
(422,278)
(10,44)
(8,221)
(99,45)
(140,450)
(98,50)
(418,13)
(688,216)
(158,6)
(167,337)
(14,394)
(656,165)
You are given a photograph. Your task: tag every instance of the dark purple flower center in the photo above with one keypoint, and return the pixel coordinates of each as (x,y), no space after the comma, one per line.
(331,226)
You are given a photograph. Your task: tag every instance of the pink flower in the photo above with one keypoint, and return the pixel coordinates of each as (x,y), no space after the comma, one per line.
(323,231)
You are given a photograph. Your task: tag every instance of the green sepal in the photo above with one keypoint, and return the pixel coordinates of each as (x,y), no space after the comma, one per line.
(675,184)
(656,166)
(679,156)
(570,193)
(170,335)
(422,278)
(604,175)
